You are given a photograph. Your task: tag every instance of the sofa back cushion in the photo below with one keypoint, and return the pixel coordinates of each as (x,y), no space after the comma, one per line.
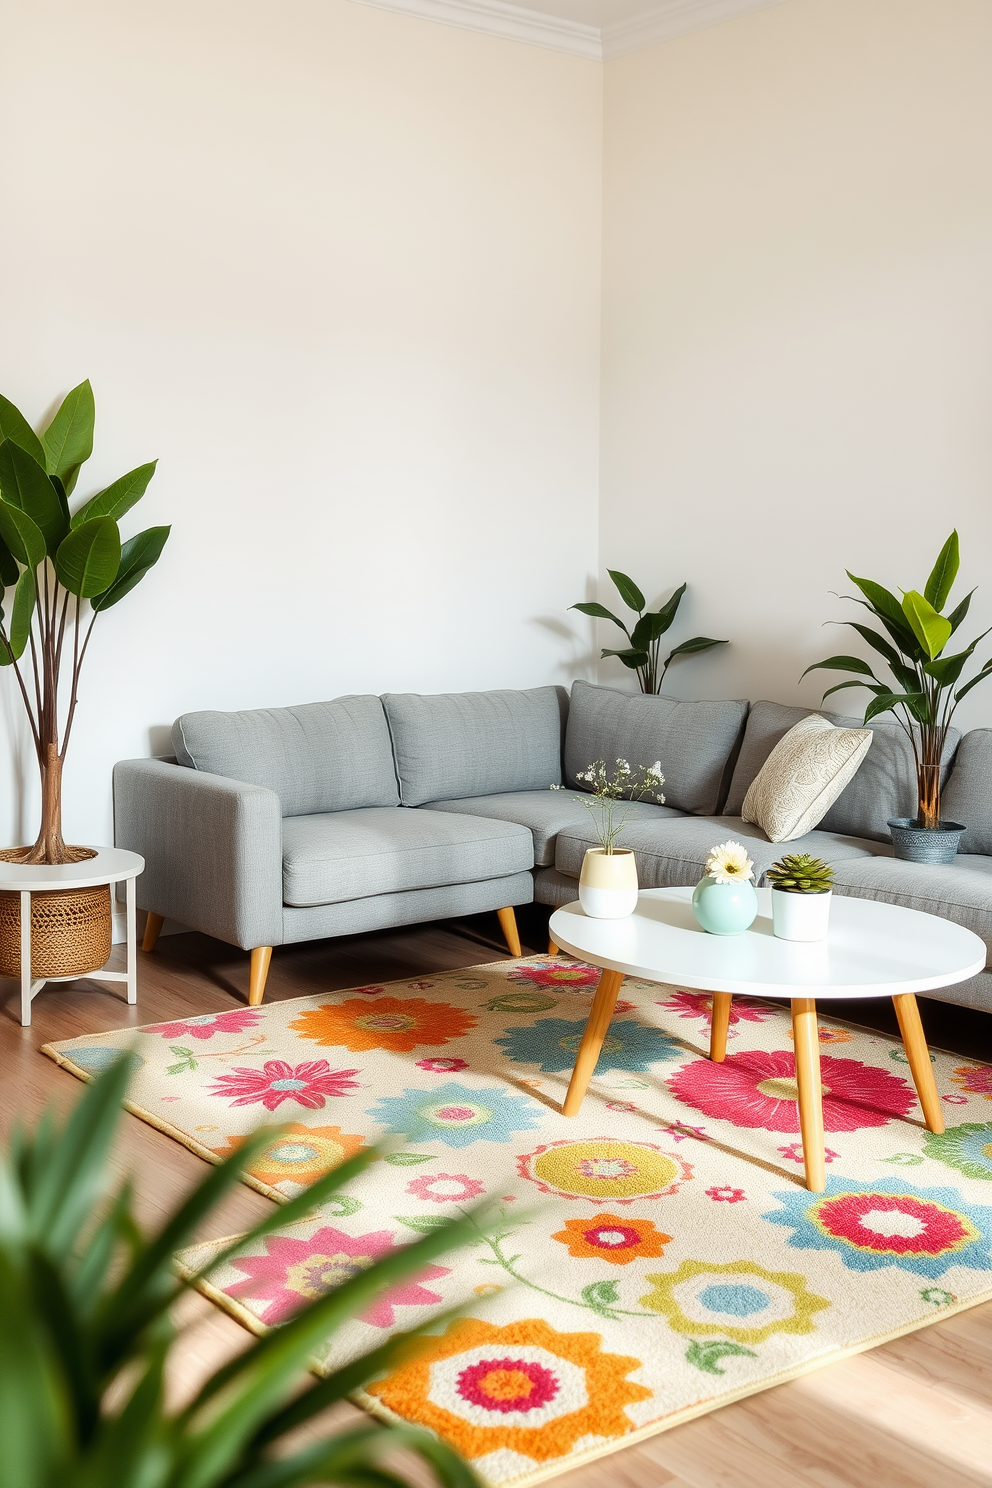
(884,786)
(693,741)
(967,797)
(454,745)
(317,757)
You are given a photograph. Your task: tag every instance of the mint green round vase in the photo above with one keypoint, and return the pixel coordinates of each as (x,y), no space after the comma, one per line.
(724,908)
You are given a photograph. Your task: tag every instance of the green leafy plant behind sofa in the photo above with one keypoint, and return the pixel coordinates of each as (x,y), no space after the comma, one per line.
(923,695)
(643,653)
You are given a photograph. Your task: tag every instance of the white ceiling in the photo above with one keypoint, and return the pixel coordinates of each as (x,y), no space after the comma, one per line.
(586,28)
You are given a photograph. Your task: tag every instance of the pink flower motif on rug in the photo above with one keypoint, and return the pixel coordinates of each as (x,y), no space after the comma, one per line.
(293,1272)
(208,1024)
(700,1005)
(557,974)
(309,1084)
(758,1089)
(794,1153)
(726,1194)
(446,1188)
(975,1078)
(442,1066)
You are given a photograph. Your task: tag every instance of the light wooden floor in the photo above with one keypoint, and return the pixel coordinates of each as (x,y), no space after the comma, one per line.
(916,1413)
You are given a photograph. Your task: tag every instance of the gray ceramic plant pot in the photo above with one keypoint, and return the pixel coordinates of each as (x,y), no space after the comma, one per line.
(916,844)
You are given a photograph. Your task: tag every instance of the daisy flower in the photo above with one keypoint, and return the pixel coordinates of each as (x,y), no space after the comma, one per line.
(729,863)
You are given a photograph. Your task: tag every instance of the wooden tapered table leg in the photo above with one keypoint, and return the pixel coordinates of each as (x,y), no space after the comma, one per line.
(719,1026)
(508,925)
(807,1040)
(592,1040)
(915,1044)
(552,948)
(260,958)
(153,926)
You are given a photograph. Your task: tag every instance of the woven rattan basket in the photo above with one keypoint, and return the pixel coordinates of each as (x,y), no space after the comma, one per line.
(70,930)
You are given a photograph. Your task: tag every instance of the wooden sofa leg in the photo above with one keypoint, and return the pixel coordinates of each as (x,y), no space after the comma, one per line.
(153,927)
(260,958)
(508,925)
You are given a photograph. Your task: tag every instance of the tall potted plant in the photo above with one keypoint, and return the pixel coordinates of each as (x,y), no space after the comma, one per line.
(59,570)
(924,693)
(642,654)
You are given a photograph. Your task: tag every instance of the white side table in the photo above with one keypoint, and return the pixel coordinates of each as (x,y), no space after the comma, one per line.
(112,865)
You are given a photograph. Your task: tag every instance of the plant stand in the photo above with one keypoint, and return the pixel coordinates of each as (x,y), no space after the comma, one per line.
(112,865)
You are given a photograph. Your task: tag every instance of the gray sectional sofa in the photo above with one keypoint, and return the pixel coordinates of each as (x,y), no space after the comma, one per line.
(290,824)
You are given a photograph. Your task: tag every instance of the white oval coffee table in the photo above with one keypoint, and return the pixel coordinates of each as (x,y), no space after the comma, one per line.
(872,950)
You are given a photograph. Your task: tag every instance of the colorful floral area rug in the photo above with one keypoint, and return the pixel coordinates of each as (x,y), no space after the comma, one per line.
(656,1257)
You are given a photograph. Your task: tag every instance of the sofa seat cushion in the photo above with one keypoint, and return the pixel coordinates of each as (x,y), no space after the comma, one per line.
(546,813)
(343,855)
(334,756)
(476,743)
(960,891)
(883,787)
(673,853)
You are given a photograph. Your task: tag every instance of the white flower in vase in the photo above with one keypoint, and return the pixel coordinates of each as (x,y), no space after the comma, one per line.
(729,863)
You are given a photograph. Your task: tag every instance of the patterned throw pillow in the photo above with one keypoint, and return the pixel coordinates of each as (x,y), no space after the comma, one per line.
(803,776)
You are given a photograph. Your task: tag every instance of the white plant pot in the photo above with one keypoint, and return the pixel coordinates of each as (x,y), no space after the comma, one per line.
(800,916)
(608,883)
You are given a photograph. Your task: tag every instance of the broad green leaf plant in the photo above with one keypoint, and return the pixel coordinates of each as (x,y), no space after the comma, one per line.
(643,653)
(924,693)
(59,570)
(86,1303)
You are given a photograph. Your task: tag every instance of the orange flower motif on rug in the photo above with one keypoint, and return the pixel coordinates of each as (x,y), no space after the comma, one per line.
(607,1238)
(395,1023)
(522,1388)
(301,1154)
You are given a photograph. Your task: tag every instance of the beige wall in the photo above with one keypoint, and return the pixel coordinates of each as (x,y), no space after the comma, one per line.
(339,270)
(797,334)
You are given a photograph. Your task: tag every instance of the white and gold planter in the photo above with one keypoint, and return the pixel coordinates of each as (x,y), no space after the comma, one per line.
(608,883)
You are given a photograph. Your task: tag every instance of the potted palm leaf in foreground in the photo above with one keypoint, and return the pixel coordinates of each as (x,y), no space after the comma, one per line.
(802,888)
(86,1334)
(924,693)
(63,569)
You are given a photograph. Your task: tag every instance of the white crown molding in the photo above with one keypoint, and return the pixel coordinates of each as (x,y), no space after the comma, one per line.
(661,21)
(667,19)
(497,18)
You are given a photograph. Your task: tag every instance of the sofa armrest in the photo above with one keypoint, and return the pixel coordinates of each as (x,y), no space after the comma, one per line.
(212,849)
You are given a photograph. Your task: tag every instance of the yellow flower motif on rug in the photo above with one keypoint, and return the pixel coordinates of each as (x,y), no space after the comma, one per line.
(522,1388)
(739,1300)
(604,1169)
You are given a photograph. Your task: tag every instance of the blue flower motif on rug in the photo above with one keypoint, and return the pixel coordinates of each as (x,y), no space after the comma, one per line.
(967,1147)
(456,1115)
(889,1223)
(552,1044)
(95,1058)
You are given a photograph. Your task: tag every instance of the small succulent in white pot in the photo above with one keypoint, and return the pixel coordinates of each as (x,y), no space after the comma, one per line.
(802,889)
(724,901)
(608,880)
